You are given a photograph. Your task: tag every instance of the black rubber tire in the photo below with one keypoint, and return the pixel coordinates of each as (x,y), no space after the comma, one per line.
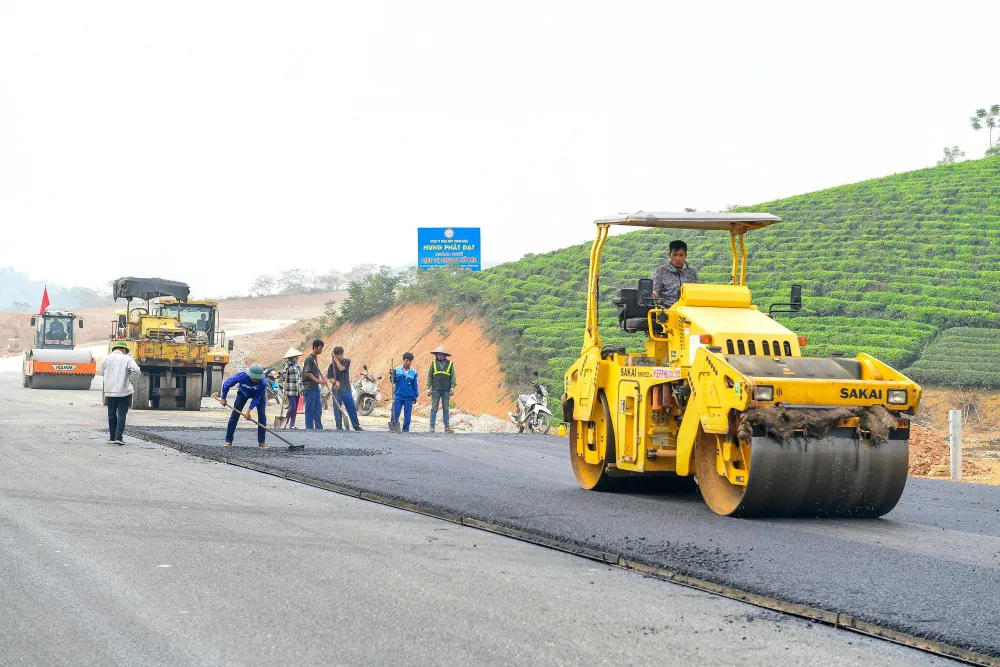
(140,397)
(366,406)
(192,392)
(543,425)
(211,380)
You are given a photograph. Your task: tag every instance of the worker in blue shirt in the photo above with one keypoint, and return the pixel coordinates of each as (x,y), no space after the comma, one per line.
(406,389)
(249,387)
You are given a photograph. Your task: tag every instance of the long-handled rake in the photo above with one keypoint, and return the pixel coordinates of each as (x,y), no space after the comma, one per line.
(291,447)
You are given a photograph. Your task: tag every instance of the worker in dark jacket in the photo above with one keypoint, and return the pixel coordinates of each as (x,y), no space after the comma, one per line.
(667,279)
(406,389)
(249,387)
(440,385)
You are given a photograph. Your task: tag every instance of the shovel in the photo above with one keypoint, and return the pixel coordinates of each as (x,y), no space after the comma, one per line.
(291,447)
(393,425)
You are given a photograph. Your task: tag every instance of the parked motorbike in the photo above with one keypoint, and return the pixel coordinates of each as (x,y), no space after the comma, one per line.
(532,410)
(366,393)
(274,389)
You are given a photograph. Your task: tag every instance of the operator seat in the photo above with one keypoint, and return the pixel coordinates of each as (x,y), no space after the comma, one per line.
(631,316)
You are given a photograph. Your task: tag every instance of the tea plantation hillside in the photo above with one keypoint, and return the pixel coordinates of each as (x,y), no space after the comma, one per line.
(960,357)
(885,265)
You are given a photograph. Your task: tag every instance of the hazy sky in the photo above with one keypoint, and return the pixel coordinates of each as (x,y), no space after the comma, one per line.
(212,141)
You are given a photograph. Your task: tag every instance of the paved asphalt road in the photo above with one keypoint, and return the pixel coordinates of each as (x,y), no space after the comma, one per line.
(929,568)
(142,555)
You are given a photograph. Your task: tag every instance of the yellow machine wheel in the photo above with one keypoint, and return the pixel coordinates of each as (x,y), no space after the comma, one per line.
(597,437)
(721,495)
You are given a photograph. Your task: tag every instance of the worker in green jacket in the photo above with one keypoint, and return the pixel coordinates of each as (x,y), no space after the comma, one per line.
(441,384)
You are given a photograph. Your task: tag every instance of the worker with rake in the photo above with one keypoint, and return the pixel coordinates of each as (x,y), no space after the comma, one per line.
(249,387)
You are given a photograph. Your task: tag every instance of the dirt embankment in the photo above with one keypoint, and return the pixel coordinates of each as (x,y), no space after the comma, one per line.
(286,307)
(929,447)
(266,347)
(297,313)
(382,340)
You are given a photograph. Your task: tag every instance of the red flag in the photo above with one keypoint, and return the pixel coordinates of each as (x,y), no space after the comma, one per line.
(45,299)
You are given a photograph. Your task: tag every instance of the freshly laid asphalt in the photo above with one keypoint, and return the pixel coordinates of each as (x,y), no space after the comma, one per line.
(929,568)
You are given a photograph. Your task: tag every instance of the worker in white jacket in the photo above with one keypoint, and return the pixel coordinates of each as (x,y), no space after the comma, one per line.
(119,371)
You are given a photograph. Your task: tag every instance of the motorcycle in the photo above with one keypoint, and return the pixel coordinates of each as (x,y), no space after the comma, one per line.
(274,389)
(366,393)
(532,410)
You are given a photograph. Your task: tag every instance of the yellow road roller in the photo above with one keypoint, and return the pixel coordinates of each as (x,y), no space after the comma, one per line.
(722,392)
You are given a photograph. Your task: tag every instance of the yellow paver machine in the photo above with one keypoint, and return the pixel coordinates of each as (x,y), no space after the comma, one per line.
(722,392)
(178,344)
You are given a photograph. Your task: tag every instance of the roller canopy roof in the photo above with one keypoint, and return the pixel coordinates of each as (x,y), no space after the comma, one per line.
(150,288)
(730,222)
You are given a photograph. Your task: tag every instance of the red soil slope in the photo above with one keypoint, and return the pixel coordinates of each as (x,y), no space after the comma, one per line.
(382,340)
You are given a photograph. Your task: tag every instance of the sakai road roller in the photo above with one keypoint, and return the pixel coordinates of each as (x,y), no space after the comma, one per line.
(722,392)
(178,344)
(52,362)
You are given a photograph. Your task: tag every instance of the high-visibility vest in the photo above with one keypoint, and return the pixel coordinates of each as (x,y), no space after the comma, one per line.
(445,372)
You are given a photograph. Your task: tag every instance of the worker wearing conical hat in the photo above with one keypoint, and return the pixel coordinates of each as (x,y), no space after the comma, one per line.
(441,385)
(292,376)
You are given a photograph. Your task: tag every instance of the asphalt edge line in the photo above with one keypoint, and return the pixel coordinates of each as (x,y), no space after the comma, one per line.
(831,618)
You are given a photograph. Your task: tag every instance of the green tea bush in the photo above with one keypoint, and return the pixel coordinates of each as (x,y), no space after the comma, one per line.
(960,357)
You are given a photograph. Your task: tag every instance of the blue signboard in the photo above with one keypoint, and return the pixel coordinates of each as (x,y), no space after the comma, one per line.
(441,246)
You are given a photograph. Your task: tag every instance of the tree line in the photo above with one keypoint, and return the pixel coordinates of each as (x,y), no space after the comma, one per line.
(986,118)
(301,281)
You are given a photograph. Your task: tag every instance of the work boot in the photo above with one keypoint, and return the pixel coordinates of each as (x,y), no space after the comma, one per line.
(448,429)
(358,428)
(228,444)
(262,446)
(431,430)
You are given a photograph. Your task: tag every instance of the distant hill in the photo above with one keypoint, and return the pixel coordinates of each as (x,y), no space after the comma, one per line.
(886,265)
(19,293)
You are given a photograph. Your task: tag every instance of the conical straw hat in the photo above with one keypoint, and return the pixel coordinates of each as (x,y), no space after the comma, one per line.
(441,349)
(292,352)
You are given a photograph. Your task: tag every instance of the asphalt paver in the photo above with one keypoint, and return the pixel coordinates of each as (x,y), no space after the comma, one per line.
(931,567)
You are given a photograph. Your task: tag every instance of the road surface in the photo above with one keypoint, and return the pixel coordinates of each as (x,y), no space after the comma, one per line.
(143,555)
(929,568)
